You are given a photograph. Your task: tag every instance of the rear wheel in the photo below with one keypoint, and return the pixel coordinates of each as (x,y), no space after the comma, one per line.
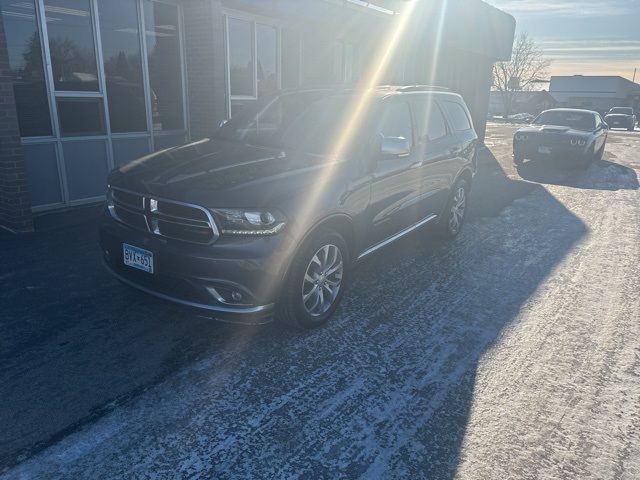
(456,210)
(316,281)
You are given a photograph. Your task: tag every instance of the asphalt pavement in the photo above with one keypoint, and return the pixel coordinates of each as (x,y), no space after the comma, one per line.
(511,352)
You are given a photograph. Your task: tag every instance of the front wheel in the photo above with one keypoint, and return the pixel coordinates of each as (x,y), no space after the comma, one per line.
(316,281)
(456,210)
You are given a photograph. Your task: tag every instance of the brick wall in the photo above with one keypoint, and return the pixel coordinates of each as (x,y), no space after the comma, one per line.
(206,77)
(15,204)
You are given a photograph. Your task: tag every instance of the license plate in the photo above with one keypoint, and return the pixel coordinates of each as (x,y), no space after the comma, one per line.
(543,149)
(137,258)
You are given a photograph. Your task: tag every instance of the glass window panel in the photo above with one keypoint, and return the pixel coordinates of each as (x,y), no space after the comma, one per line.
(73,55)
(165,75)
(429,119)
(396,121)
(240,57)
(81,116)
(86,168)
(41,164)
(123,65)
(25,67)
(290,59)
(267,74)
(457,115)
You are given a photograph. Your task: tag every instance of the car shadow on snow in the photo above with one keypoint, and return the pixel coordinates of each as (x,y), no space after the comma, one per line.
(601,175)
(431,310)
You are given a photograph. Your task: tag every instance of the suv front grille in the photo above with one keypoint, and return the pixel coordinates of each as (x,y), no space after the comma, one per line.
(162,217)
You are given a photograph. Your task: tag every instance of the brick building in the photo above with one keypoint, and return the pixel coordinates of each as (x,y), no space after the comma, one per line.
(88,85)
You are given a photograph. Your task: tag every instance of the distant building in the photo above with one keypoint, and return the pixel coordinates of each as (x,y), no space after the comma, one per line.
(523,102)
(599,93)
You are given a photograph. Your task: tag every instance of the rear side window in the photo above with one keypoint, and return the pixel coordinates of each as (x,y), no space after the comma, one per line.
(429,119)
(396,121)
(458,116)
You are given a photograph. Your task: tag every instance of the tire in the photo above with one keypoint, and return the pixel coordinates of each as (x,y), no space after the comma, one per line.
(329,288)
(599,154)
(447,226)
(631,128)
(585,162)
(518,161)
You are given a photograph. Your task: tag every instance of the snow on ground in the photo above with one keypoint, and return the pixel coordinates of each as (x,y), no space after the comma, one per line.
(511,353)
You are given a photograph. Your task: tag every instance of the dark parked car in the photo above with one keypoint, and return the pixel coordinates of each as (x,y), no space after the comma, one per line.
(271,213)
(621,117)
(562,134)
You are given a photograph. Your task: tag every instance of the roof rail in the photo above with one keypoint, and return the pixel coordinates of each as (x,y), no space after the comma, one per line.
(423,88)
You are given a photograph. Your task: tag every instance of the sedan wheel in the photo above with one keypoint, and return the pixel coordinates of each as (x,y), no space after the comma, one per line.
(322,280)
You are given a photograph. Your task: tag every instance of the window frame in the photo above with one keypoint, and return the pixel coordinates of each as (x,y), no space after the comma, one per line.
(253,21)
(56,138)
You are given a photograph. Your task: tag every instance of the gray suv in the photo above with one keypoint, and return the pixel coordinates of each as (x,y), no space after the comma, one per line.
(269,214)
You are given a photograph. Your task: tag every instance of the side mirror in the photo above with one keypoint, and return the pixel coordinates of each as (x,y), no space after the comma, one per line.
(394,147)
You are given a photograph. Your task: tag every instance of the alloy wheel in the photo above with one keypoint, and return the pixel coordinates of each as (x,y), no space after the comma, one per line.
(458,207)
(322,280)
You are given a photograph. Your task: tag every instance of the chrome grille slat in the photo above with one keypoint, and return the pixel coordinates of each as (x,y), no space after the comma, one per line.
(197,226)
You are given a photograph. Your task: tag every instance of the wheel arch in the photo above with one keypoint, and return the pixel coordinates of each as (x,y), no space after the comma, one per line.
(339,222)
(465,174)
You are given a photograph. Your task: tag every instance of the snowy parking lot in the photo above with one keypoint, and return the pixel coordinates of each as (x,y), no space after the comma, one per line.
(512,352)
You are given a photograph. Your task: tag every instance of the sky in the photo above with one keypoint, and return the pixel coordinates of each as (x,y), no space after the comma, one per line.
(587,37)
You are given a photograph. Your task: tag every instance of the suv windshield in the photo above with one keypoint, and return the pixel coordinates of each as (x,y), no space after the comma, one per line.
(577,120)
(622,111)
(302,121)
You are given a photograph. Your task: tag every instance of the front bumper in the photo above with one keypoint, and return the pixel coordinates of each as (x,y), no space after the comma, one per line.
(194,275)
(531,151)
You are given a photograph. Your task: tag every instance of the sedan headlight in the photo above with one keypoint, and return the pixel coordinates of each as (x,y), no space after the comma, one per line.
(521,137)
(248,222)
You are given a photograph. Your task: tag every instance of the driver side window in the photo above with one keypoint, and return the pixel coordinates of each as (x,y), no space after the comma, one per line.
(396,121)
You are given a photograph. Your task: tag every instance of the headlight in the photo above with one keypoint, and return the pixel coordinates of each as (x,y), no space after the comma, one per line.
(521,137)
(248,222)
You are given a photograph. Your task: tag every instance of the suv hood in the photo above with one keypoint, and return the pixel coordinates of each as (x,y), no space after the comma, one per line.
(218,173)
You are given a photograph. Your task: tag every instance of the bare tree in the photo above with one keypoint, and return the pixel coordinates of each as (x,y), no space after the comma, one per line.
(526,68)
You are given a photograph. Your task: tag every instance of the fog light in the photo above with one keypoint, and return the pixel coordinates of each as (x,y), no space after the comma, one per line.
(228,296)
(236,296)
